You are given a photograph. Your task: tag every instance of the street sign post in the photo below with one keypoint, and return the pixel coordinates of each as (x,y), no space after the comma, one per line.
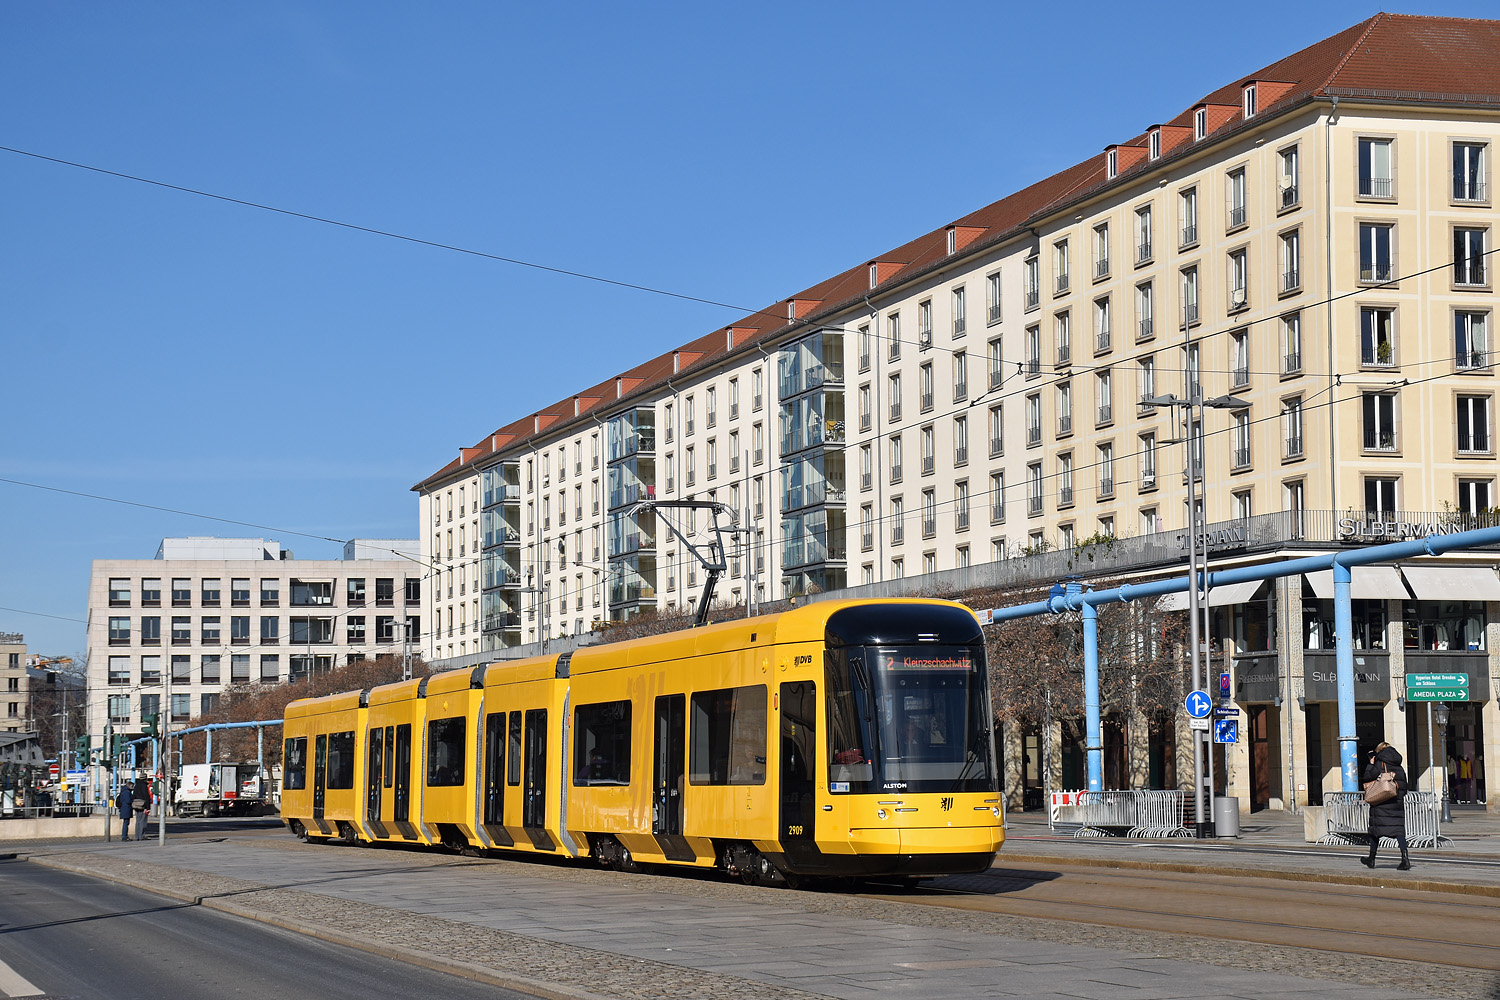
(1198,704)
(1226,730)
(1437,687)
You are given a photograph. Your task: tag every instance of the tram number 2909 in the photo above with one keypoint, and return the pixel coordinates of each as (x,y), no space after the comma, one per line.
(795,830)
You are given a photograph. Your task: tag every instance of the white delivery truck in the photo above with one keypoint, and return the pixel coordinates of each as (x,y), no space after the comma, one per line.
(214,789)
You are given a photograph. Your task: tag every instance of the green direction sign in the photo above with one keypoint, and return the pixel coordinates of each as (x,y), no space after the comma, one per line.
(1437,687)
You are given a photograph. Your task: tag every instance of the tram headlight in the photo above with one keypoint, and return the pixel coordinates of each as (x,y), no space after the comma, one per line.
(881,813)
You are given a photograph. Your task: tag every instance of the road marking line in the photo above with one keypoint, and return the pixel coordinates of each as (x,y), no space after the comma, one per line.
(13,984)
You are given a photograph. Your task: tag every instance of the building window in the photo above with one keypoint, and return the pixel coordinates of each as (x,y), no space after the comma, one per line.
(997,497)
(1291,343)
(270,631)
(929,513)
(1475,495)
(1291,261)
(960,315)
(1287,183)
(929,458)
(1146,380)
(961,505)
(1469,170)
(1474,425)
(1102,335)
(992,295)
(1033,420)
(1200,123)
(119,631)
(1239,359)
(960,376)
(1153,144)
(894,390)
(1239,279)
(997,430)
(1064,409)
(1236,190)
(893,335)
(867,527)
(960,441)
(151,592)
(1105,397)
(1468,257)
(1375,256)
(182,592)
(1377,337)
(1189,297)
(994,364)
(270,593)
(1065,480)
(1060,265)
(1143,234)
(1101,251)
(1144,313)
(1032,282)
(208,630)
(895,446)
(1291,424)
(1112,164)
(1063,329)
(1471,339)
(151,631)
(1033,351)
(1148,461)
(898,521)
(924,380)
(1106,466)
(1380,495)
(1379,411)
(1034,488)
(1187,207)
(119,592)
(1242,439)
(1375,177)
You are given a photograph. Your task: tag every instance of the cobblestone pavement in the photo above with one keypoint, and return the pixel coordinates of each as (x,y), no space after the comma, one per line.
(569,931)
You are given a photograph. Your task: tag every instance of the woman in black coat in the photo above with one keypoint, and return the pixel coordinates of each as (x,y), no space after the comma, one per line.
(1387,819)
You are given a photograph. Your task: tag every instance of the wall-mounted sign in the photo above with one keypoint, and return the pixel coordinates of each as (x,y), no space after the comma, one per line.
(1353,529)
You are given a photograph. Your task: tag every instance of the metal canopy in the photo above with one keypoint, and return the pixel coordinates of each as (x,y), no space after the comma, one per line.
(1367,583)
(1453,583)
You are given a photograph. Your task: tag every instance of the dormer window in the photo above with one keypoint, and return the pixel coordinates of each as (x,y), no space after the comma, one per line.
(952,240)
(1112,163)
(1249,100)
(1200,123)
(1154,143)
(874,275)
(791,309)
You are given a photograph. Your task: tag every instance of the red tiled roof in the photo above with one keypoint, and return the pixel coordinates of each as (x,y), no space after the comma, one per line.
(1395,57)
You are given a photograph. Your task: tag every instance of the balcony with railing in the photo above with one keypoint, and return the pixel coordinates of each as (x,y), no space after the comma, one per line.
(1292,362)
(1101,267)
(1065,353)
(1289,195)
(1034,505)
(1065,496)
(1064,424)
(1033,366)
(1106,488)
(1143,251)
(1291,280)
(994,314)
(1190,314)
(895,411)
(997,510)
(1062,284)
(1145,328)
(1102,342)
(896,472)
(1471,359)
(1469,189)
(1294,446)
(929,526)
(961,520)
(1033,436)
(1106,414)
(926,402)
(928,465)
(997,447)
(1242,458)
(1375,187)
(1240,377)
(898,532)
(1189,235)
(1033,298)
(867,540)
(864,421)
(1469,272)
(1236,216)
(961,455)
(960,390)
(1375,270)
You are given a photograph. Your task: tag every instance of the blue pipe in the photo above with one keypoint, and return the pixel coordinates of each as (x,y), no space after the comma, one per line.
(1343,628)
(1093,738)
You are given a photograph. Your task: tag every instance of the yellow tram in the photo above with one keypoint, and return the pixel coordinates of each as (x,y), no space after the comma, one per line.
(842,738)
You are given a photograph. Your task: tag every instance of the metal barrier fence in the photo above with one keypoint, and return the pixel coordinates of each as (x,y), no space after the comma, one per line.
(60,809)
(1349,820)
(1120,813)
(1161,814)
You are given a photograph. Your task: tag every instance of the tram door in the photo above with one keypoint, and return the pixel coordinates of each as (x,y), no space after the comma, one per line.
(495,739)
(401,790)
(374,768)
(320,780)
(799,722)
(667,777)
(534,794)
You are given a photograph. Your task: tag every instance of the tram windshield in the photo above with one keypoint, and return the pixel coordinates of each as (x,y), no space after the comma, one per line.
(908,718)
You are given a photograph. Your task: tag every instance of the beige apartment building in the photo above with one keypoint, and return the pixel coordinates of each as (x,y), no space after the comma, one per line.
(1305,251)
(171,634)
(13,669)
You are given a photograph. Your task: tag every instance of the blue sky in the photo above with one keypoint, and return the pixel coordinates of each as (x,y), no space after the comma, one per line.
(187,353)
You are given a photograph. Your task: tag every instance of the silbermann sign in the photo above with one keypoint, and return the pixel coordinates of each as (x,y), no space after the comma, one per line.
(1353,529)
(1230,536)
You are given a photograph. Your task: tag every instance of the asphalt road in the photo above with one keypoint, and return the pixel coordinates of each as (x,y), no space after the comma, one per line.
(64,935)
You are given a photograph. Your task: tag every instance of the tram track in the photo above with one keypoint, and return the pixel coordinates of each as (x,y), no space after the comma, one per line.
(1388,922)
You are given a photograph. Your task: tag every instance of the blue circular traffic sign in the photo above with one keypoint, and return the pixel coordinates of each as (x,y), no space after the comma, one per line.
(1198,704)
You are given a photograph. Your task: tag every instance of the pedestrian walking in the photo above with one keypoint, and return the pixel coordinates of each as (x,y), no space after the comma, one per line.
(141,803)
(122,804)
(1387,817)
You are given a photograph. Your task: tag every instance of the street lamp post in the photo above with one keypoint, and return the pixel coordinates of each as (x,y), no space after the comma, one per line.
(1198,630)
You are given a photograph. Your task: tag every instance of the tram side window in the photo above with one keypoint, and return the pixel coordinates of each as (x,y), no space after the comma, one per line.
(728,737)
(390,758)
(341,760)
(513,764)
(294,763)
(601,744)
(445,751)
